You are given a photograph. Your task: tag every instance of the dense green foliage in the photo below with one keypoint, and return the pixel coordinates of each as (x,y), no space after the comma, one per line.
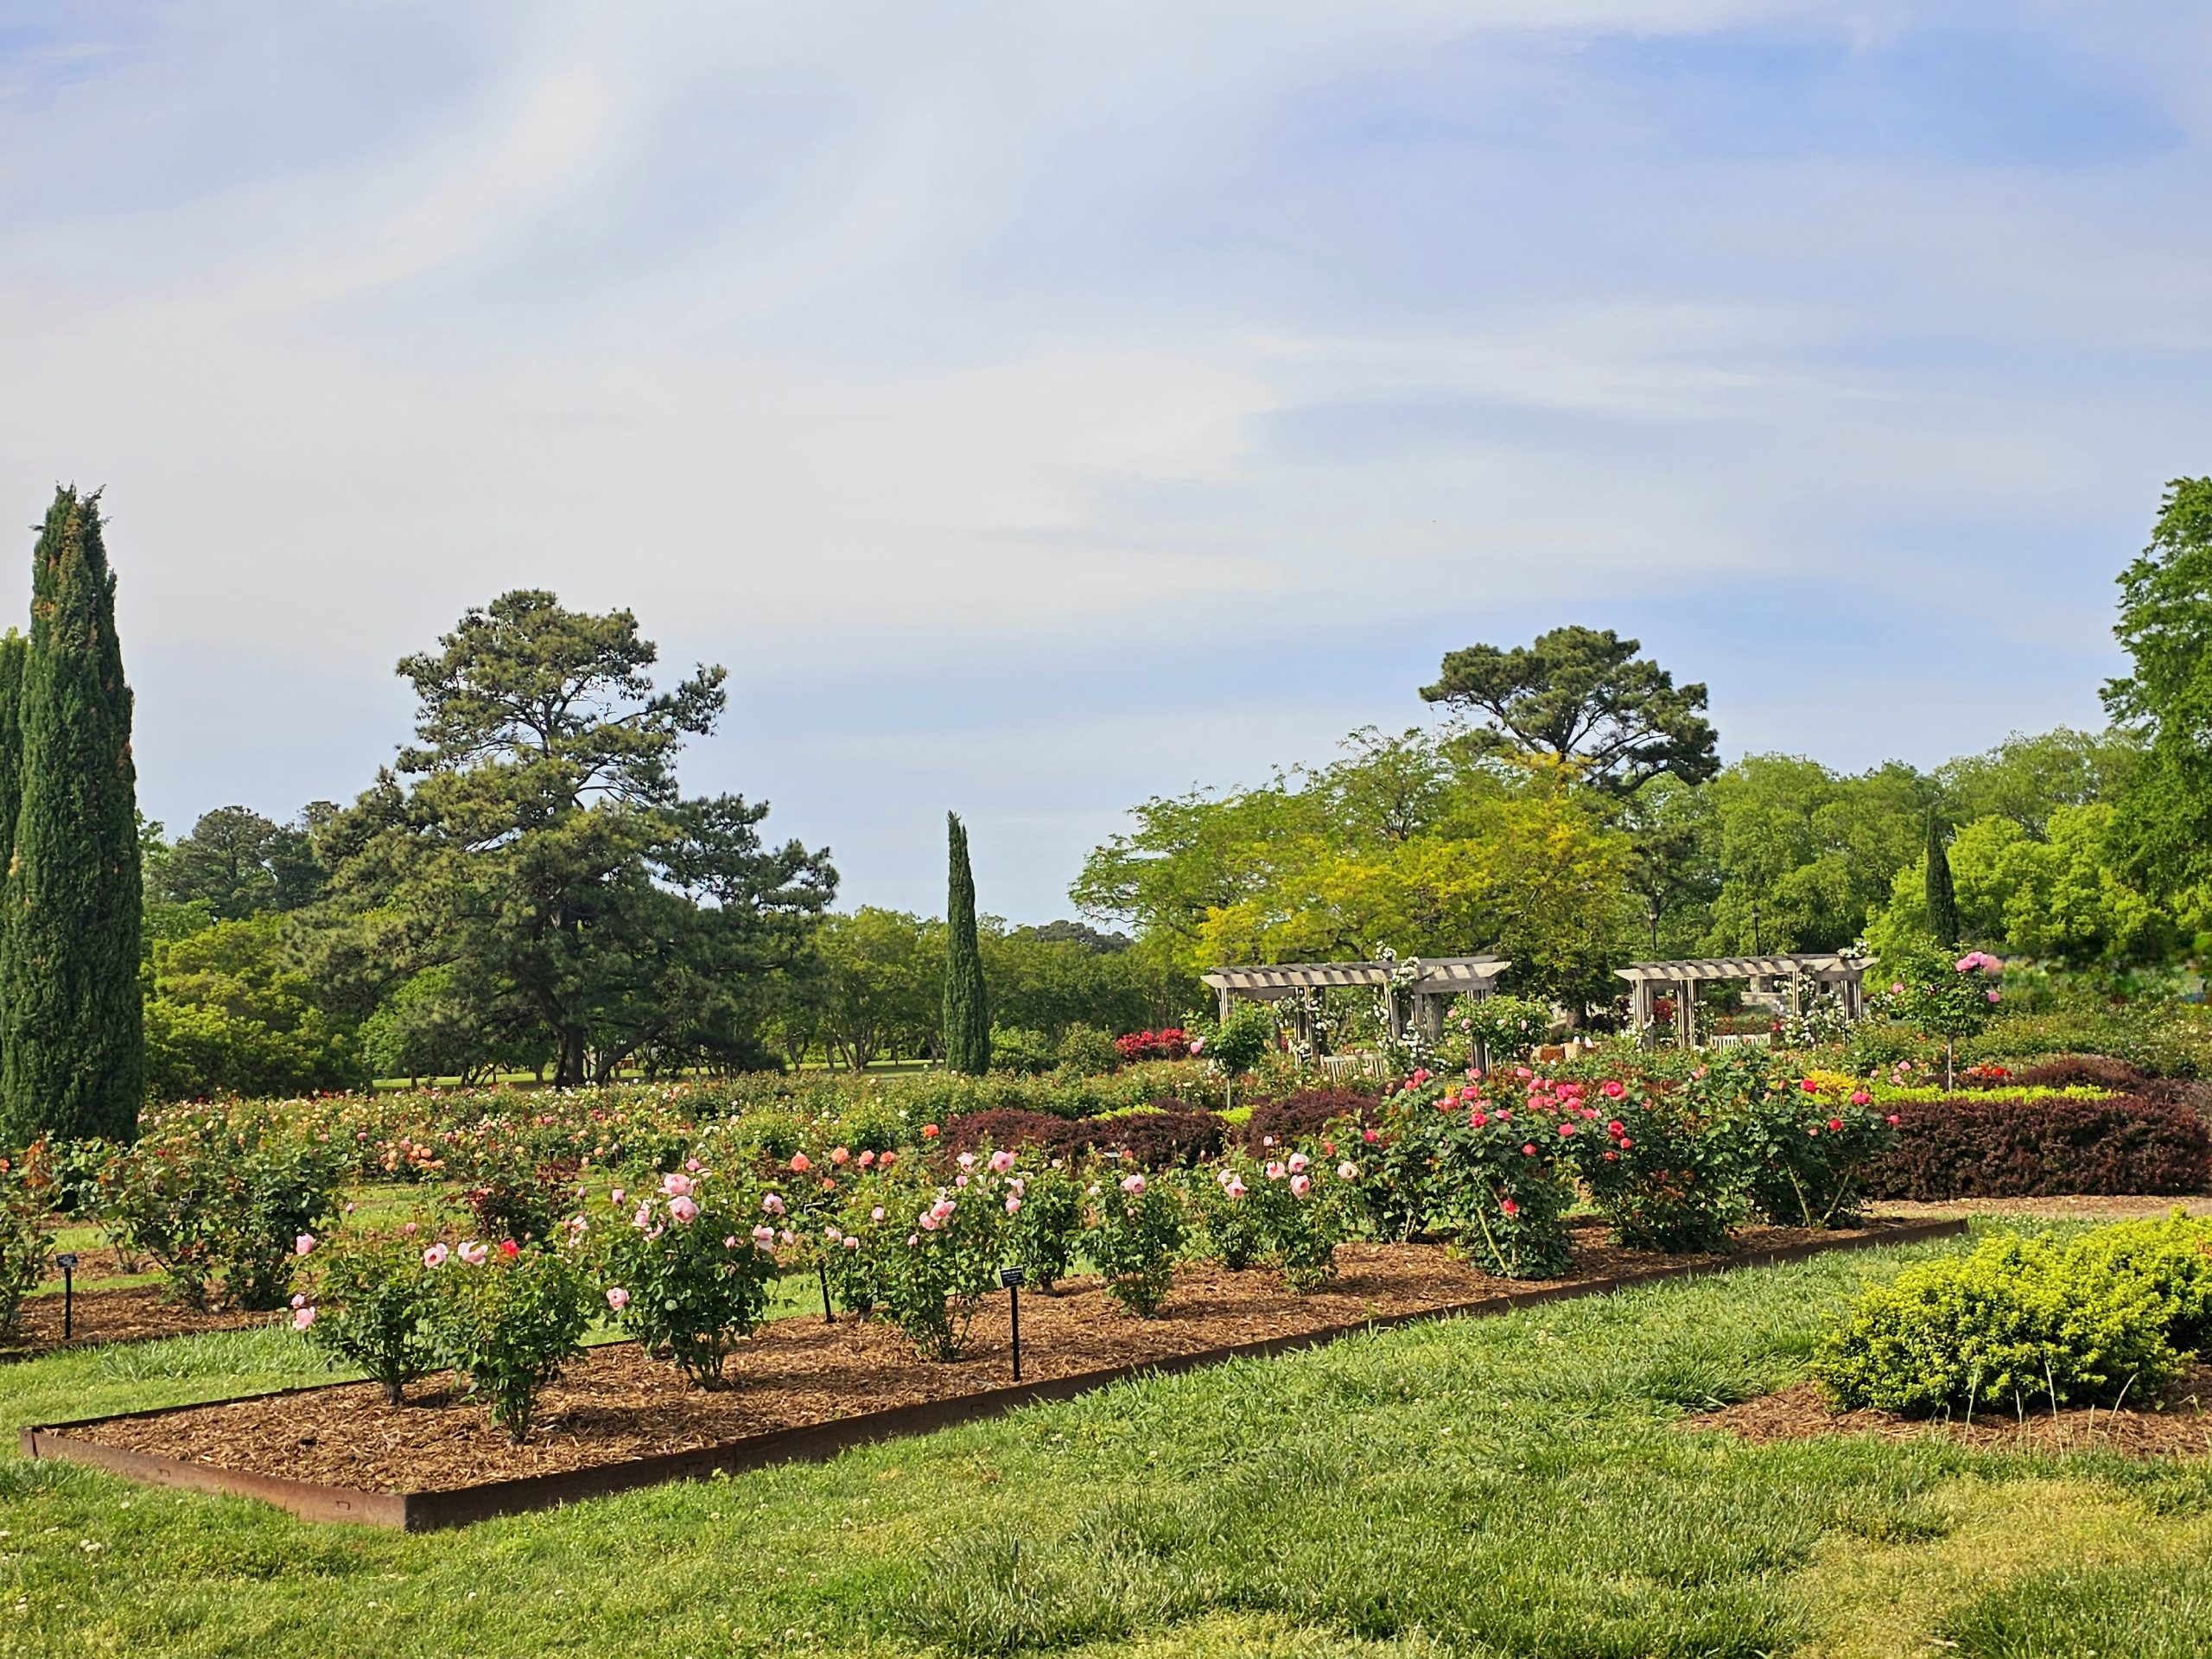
(966,1004)
(72,1043)
(1942,895)
(2022,1322)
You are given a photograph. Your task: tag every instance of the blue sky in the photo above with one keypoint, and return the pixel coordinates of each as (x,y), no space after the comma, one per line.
(1041,406)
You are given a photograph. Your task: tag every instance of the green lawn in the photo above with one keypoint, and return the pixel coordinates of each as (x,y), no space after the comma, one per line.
(1511,1486)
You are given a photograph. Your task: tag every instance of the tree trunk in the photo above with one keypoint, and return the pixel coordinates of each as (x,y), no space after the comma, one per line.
(569,1061)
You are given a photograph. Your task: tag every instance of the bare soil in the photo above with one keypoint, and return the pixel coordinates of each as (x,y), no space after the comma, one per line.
(2091,1207)
(2178,1425)
(133,1314)
(617,1403)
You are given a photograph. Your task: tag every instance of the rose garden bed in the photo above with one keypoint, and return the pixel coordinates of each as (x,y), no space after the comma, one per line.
(129,1313)
(802,1389)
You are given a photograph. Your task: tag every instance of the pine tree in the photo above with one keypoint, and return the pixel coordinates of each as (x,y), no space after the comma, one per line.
(72,1049)
(1942,898)
(967,1011)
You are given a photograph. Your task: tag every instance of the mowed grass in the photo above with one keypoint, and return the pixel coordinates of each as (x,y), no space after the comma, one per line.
(1516,1486)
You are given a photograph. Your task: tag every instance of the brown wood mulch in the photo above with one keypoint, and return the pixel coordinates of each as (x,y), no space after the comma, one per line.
(132,1313)
(617,1403)
(2178,1425)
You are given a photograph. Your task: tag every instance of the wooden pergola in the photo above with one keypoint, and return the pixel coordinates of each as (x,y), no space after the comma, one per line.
(1843,974)
(1434,981)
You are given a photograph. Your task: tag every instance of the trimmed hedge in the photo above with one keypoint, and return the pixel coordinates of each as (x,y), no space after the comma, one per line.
(1167,1136)
(1990,1146)
(1308,1112)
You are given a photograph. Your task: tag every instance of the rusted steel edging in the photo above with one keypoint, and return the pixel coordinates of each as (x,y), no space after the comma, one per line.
(815,1442)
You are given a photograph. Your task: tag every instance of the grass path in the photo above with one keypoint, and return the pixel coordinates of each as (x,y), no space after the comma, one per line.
(1507,1486)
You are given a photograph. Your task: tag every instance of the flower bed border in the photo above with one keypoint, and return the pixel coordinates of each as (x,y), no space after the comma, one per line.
(817,1442)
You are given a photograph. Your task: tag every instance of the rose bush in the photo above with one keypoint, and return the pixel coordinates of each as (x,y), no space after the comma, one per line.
(377,1307)
(1136,1228)
(510,1319)
(689,1264)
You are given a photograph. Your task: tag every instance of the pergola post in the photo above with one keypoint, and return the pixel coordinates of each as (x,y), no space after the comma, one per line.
(1686,1014)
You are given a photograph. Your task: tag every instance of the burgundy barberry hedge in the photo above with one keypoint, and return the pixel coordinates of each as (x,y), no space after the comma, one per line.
(1163,1136)
(1988,1145)
(1306,1113)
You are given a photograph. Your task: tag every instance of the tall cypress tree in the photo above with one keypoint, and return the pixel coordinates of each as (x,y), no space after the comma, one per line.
(967,1011)
(72,1043)
(12,647)
(1942,898)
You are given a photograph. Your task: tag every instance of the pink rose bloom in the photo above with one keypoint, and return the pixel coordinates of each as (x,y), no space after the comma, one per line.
(676,1185)
(300,1300)
(1300,1185)
(966,1160)
(1267,1140)
(644,1218)
(1529,1150)
(839,1155)
(1197,1046)
(1236,1189)
(1809,1086)
(851,1243)
(765,1237)
(435,1257)
(1615,1089)
(730,1242)
(929,1221)
(410,1230)
(1347,1171)
(1898,989)
(302,1318)
(1013,1207)
(1566,1128)
(773,1204)
(800,1163)
(1626,1143)
(1995,996)
(1371,1136)
(472,1254)
(1859,1097)
(960,1181)
(617,1298)
(615,1196)
(683,1210)
(876,1214)
(1274,1171)
(867,1158)
(692,1164)
(886,1159)
(1297,1161)
(1132,1183)
(1475,1121)
(303,1243)
(1001,1161)
(509,1248)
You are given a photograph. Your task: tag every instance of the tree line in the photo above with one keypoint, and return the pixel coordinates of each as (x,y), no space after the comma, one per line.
(1573,813)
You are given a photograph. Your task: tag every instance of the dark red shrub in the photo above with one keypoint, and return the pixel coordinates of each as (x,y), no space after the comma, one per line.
(1170,1043)
(1307,1112)
(1990,1146)
(2101,1072)
(1165,1136)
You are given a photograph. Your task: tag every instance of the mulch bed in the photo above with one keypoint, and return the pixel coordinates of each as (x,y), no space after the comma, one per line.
(133,1314)
(2180,1425)
(618,1404)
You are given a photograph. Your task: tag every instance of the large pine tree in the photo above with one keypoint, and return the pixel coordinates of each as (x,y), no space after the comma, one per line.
(1942,897)
(967,1010)
(71,1047)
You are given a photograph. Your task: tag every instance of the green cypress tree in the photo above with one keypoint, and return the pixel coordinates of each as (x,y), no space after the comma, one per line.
(12,647)
(967,1010)
(1942,898)
(72,1043)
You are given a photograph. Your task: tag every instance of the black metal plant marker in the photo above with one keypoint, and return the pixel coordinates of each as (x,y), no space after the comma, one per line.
(68,1262)
(1011,1277)
(828,1317)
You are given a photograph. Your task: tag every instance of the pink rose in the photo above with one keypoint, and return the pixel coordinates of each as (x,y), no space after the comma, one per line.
(839,1155)
(799,1163)
(435,1257)
(1013,1205)
(303,1243)
(1132,1183)
(1347,1171)
(765,1237)
(1297,1161)
(1300,1185)
(683,1210)
(472,1254)
(302,1318)
(773,1204)
(676,1185)
(1001,1161)
(617,1298)
(1859,1097)
(1615,1089)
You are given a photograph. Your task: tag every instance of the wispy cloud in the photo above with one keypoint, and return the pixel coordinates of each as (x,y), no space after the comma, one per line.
(1039,407)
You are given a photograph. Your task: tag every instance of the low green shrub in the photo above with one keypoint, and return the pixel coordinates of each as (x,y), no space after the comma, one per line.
(1025,1052)
(23,1253)
(1044,1221)
(2022,1322)
(1088,1051)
